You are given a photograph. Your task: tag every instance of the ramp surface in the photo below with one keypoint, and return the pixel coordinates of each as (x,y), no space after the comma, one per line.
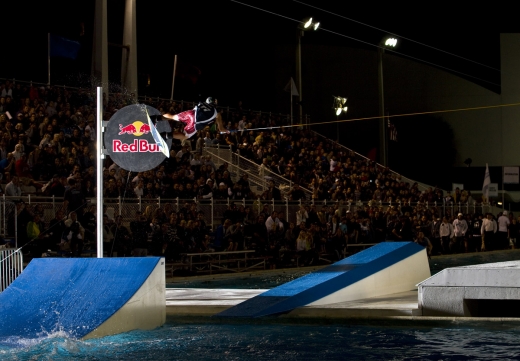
(73,295)
(386,268)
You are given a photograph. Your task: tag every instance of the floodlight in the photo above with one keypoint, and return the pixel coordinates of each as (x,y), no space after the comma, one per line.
(392,42)
(308,23)
(316,26)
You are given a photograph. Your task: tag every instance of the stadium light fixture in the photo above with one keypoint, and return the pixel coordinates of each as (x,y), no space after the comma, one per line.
(339,105)
(308,24)
(391,42)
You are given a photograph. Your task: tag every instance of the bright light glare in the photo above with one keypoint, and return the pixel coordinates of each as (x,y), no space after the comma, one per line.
(338,111)
(391,42)
(345,109)
(316,26)
(308,23)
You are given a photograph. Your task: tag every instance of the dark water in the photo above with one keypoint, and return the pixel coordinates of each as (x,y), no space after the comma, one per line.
(278,342)
(186,340)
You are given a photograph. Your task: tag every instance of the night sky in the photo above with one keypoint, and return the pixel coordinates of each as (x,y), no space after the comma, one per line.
(237,53)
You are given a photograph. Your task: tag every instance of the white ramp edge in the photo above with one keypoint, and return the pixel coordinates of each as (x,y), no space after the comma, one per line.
(146,310)
(400,277)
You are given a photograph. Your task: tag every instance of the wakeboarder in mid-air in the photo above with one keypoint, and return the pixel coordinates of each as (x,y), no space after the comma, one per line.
(197,119)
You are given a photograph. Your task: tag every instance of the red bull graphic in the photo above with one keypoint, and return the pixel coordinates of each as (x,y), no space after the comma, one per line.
(131,138)
(137,128)
(138,146)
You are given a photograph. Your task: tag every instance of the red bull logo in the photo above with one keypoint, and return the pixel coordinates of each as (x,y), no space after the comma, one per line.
(137,128)
(138,146)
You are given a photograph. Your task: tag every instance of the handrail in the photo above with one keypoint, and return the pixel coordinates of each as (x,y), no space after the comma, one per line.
(11,265)
(246,165)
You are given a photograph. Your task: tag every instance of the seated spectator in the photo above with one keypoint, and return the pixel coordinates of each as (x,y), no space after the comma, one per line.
(12,189)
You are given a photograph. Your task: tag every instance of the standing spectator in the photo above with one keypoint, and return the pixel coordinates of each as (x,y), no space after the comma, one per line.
(302,215)
(140,228)
(272,193)
(73,198)
(514,230)
(296,193)
(425,242)
(502,236)
(56,229)
(446,233)
(460,227)
(122,239)
(475,239)
(488,230)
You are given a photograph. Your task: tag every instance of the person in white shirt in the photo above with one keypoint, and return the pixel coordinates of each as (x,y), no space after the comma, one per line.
(302,215)
(460,227)
(273,223)
(446,233)
(502,236)
(12,189)
(488,230)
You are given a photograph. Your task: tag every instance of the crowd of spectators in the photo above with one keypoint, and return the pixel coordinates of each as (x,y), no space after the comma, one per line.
(47,142)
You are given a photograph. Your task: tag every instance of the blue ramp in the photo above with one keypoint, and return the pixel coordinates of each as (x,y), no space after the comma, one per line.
(389,267)
(72,295)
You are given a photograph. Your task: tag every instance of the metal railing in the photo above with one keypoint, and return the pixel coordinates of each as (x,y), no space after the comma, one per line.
(215,210)
(11,265)
(258,175)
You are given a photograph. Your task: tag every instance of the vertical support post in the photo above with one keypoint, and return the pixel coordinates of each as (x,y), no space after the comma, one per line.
(48,59)
(173,80)
(129,56)
(100,45)
(299,71)
(99,173)
(382,126)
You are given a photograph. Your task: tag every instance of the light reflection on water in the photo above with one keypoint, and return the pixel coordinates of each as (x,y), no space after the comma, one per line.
(279,342)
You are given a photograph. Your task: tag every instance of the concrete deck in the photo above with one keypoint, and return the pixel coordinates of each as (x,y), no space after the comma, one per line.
(207,302)
(401,309)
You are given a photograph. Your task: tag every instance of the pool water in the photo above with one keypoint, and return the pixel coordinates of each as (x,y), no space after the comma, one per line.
(185,339)
(277,342)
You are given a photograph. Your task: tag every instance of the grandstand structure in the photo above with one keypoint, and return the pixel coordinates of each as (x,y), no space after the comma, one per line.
(237,159)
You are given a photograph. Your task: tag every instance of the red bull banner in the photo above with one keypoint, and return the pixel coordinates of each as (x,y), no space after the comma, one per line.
(128,138)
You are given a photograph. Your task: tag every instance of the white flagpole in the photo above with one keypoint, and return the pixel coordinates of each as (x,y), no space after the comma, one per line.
(99,175)
(174,70)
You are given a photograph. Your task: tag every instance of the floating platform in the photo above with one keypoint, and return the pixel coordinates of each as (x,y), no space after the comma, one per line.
(484,290)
